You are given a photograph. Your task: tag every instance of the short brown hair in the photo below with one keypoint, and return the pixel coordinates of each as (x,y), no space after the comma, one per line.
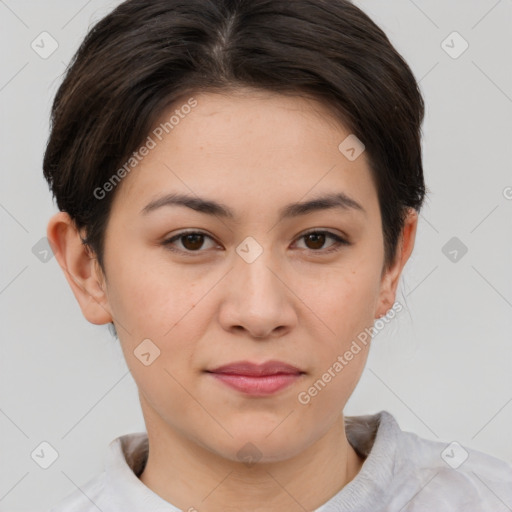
(146,54)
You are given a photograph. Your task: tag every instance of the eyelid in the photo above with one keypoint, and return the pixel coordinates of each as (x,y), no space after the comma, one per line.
(326,231)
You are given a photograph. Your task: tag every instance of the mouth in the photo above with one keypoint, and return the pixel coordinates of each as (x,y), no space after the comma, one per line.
(257,379)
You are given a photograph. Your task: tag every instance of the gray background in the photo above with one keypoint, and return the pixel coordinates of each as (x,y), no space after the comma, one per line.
(442,367)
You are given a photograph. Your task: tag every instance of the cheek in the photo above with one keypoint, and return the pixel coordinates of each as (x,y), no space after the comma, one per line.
(159,308)
(147,296)
(344,302)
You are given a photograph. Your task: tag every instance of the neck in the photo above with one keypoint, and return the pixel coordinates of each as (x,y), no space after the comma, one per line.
(193,478)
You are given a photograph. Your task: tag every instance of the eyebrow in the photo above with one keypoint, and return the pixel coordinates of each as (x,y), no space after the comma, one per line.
(210,207)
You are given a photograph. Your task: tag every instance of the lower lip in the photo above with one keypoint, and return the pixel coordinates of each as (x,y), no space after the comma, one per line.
(258,386)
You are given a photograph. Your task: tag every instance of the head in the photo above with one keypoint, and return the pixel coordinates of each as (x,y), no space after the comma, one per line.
(247,107)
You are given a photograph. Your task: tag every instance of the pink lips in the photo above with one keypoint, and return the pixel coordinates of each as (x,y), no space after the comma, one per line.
(257,379)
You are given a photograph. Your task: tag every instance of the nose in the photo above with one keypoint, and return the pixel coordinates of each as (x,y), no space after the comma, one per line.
(257,299)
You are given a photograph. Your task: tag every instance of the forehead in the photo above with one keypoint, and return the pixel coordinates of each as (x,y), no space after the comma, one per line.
(245,147)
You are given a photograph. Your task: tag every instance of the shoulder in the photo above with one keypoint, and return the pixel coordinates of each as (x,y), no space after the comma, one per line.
(118,486)
(87,498)
(451,476)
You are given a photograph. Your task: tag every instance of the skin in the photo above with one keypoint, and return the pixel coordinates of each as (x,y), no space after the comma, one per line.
(295,302)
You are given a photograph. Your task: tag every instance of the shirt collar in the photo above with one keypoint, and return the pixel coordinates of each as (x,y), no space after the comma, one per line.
(126,454)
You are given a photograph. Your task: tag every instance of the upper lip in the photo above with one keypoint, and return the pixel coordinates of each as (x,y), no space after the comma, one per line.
(254,369)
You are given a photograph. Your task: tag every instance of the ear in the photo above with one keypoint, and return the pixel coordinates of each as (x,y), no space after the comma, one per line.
(80,267)
(391,276)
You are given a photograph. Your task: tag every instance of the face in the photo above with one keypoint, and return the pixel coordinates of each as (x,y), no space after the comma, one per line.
(250,278)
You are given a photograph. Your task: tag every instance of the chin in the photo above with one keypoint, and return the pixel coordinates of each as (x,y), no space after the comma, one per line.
(260,447)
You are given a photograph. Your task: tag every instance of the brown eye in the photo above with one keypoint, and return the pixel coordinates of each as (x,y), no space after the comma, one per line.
(192,241)
(315,240)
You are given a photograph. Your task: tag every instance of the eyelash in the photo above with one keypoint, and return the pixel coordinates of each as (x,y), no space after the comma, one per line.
(340,242)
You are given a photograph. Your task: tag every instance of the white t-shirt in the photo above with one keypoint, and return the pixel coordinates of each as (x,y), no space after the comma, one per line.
(401,473)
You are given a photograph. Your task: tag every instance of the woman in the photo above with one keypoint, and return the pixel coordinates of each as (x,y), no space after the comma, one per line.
(239,184)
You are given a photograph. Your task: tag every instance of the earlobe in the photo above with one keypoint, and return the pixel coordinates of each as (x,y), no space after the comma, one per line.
(80,268)
(391,277)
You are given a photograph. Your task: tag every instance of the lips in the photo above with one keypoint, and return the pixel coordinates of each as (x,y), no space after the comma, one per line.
(257,380)
(257,370)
